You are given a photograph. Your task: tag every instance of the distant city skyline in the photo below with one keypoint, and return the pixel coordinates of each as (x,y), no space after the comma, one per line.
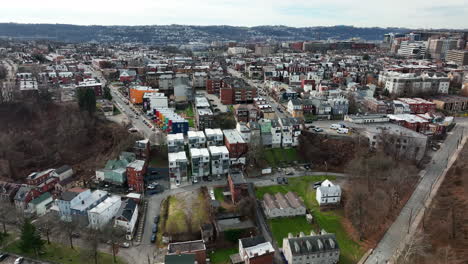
(296,13)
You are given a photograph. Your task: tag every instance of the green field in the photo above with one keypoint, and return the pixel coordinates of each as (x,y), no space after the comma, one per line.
(277,156)
(331,221)
(222,256)
(218,193)
(64,254)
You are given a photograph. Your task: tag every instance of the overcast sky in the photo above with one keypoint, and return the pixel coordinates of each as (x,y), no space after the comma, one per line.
(299,13)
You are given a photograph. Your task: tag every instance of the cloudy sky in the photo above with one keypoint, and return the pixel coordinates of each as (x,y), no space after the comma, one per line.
(299,13)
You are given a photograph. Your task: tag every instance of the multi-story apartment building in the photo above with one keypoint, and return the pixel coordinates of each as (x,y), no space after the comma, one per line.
(103,213)
(220,161)
(204,118)
(413,49)
(313,249)
(410,83)
(237,91)
(79,210)
(244,131)
(175,142)
(256,250)
(135,175)
(199,79)
(68,199)
(459,57)
(166,83)
(200,163)
(196,139)
(236,145)
(178,165)
(213,85)
(290,132)
(214,137)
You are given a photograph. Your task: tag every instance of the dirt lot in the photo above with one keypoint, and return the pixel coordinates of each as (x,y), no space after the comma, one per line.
(183,214)
(445,227)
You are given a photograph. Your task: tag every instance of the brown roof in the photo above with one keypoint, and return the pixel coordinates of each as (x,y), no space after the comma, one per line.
(294,200)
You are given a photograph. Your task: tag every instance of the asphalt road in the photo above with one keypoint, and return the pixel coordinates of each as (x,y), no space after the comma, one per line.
(136,120)
(397,232)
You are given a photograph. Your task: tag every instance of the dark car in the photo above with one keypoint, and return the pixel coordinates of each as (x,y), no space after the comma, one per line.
(285,180)
(156,219)
(3,256)
(317,184)
(155,228)
(153,238)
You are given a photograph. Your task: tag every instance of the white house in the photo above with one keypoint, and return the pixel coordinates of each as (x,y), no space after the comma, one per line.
(175,142)
(200,160)
(214,137)
(100,215)
(244,131)
(63,172)
(127,217)
(196,139)
(328,193)
(178,164)
(220,160)
(41,204)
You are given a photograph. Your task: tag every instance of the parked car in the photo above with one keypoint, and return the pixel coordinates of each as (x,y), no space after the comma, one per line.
(156,219)
(124,245)
(285,180)
(75,235)
(317,184)
(3,256)
(155,228)
(153,238)
(342,131)
(335,126)
(318,129)
(19,260)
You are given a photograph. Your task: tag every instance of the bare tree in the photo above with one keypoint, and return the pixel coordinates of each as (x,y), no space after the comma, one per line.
(47,224)
(7,214)
(70,229)
(256,150)
(92,238)
(114,236)
(417,246)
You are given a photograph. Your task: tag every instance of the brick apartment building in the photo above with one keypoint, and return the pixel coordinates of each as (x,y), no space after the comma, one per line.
(235,143)
(196,247)
(135,175)
(418,105)
(213,85)
(237,185)
(236,91)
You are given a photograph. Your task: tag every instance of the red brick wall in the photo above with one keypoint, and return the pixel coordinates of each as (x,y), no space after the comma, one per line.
(264,259)
(226,95)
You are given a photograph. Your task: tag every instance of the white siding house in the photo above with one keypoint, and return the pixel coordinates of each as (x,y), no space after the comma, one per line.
(328,193)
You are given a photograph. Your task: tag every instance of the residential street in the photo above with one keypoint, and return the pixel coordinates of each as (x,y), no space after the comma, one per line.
(395,235)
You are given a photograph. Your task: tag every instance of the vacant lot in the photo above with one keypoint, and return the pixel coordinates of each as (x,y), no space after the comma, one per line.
(64,254)
(185,213)
(331,221)
(221,256)
(277,157)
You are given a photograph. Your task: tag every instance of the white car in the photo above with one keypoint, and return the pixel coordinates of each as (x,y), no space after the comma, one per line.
(335,126)
(19,260)
(343,131)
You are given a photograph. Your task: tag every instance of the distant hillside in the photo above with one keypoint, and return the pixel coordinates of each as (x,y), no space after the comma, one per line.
(183,34)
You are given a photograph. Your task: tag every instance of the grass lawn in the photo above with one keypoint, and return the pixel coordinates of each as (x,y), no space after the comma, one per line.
(191,122)
(158,160)
(222,256)
(176,216)
(64,254)
(330,220)
(282,226)
(278,156)
(218,193)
